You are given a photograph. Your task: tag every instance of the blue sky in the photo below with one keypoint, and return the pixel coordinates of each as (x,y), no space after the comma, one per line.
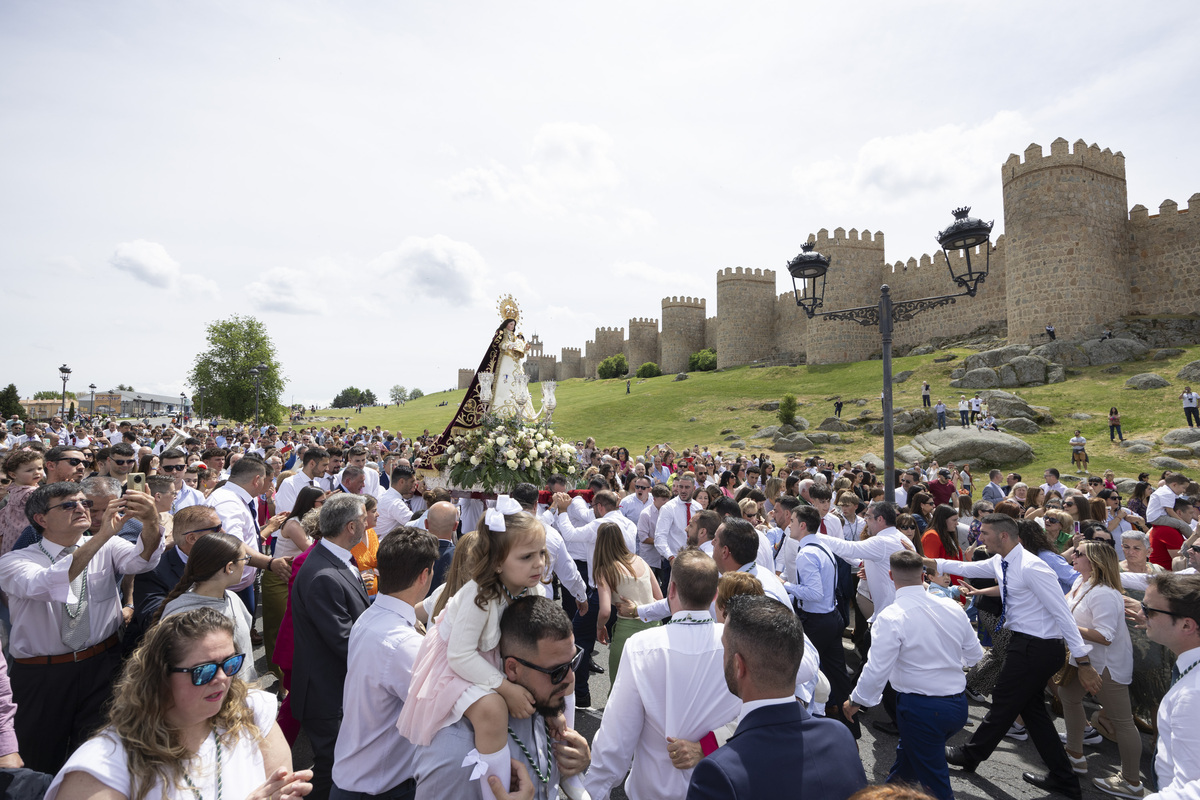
(367,178)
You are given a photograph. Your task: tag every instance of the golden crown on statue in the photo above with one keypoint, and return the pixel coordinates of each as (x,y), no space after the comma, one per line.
(508,308)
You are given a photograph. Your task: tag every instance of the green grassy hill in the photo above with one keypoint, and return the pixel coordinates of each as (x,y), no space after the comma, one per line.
(660,409)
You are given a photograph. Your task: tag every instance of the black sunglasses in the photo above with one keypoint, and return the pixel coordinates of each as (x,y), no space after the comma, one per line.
(71,504)
(213,529)
(1147,610)
(204,673)
(74,462)
(173,467)
(557,674)
(120,462)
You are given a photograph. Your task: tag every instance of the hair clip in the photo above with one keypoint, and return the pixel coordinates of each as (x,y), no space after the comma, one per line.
(494,517)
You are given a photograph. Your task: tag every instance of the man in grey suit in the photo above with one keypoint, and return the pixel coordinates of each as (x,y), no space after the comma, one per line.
(994,492)
(537,646)
(328,595)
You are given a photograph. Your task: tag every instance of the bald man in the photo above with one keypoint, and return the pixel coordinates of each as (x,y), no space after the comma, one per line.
(442,522)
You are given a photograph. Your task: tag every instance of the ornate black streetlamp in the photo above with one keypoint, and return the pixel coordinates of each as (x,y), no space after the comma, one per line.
(808,271)
(92,405)
(65,372)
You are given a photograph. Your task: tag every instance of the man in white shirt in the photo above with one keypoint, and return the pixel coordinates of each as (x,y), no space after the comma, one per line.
(371,759)
(1037,614)
(735,549)
(357,457)
(670,534)
(670,686)
(632,505)
(1172,608)
(173,463)
(1191,400)
(702,531)
(394,511)
(786,547)
(964,410)
(976,407)
(66,612)
(236,503)
(875,552)
(1053,484)
(919,644)
(312,467)
(646,523)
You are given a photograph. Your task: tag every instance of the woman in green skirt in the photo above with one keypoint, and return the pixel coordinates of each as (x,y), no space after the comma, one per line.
(620,575)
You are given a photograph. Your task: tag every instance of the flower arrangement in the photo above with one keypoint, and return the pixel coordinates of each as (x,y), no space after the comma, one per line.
(501,453)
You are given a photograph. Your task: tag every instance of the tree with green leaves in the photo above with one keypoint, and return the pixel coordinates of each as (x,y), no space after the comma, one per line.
(398,394)
(349,397)
(613,367)
(703,361)
(71,412)
(222,372)
(415,394)
(787,410)
(123,388)
(649,370)
(52,394)
(10,402)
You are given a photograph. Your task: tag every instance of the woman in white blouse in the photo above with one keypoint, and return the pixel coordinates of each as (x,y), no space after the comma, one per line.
(1098,606)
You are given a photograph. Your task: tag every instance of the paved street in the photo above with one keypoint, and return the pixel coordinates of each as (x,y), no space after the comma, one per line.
(999,778)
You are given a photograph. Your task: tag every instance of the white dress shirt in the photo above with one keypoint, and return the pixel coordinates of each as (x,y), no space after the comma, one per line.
(1102,608)
(670,534)
(583,539)
(285,498)
(816,577)
(647,521)
(186,497)
(470,511)
(876,555)
(785,559)
(393,513)
(920,643)
(562,565)
(1059,487)
(1177,759)
(232,504)
(1033,599)
(371,756)
(38,586)
(901,496)
(671,683)
(766,551)
(580,512)
(370,486)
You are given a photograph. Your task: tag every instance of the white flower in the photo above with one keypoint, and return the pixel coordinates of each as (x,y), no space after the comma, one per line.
(538,465)
(533,453)
(475,461)
(541,447)
(510,453)
(458,458)
(501,440)
(525,462)
(570,470)
(511,464)
(450,450)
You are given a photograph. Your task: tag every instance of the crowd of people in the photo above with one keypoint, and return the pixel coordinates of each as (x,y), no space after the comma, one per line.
(436,646)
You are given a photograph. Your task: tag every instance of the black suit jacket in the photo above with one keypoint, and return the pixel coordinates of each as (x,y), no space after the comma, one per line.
(781,751)
(149,591)
(326,600)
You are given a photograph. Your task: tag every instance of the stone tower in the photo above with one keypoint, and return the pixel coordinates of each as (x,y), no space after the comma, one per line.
(464,378)
(642,345)
(1065,225)
(746,306)
(570,365)
(682,332)
(855,275)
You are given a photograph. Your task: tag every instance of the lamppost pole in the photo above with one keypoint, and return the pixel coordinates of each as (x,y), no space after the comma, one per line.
(808,271)
(65,372)
(92,405)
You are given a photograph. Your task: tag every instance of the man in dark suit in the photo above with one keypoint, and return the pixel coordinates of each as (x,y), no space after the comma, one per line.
(151,588)
(777,743)
(328,595)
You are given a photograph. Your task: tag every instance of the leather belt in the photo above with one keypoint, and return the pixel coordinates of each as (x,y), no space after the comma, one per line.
(69,658)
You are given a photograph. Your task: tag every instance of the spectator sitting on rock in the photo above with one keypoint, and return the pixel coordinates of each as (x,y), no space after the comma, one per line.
(987,423)
(1050,332)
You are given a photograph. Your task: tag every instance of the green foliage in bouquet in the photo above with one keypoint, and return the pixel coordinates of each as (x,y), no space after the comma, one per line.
(501,453)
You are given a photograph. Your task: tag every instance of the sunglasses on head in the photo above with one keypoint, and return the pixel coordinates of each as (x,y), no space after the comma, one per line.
(557,674)
(204,673)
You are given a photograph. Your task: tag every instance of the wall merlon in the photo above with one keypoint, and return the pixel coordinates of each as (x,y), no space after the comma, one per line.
(842,238)
(684,302)
(1168,206)
(745,274)
(1082,155)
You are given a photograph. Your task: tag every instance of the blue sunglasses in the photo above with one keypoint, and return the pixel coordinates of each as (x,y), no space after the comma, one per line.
(204,673)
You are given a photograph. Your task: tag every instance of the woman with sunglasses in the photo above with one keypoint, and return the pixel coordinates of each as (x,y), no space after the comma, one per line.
(921,505)
(183,726)
(1098,605)
(214,565)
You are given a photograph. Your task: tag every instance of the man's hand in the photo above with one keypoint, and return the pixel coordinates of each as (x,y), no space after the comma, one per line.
(582,607)
(572,753)
(627,608)
(1089,679)
(560,501)
(520,776)
(126,614)
(850,709)
(140,506)
(1133,613)
(931,565)
(684,754)
(11,761)
(282,568)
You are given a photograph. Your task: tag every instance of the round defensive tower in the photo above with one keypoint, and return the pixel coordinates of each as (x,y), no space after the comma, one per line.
(855,274)
(642,345)
(682,332)
(746,307)
(1066,232)
(464,378)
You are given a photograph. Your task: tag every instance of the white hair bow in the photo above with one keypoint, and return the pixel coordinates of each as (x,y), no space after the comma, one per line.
(495,516)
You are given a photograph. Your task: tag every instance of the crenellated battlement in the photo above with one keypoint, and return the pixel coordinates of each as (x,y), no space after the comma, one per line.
(1166,210)
(738,273)
(684,302)
(642,321)
(567,352)
(610,330)
(843,238)
(1083,156)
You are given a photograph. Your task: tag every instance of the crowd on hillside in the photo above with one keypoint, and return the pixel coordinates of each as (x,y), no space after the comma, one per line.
(434,646)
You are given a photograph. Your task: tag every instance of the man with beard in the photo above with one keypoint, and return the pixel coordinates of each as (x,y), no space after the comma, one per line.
(538,653)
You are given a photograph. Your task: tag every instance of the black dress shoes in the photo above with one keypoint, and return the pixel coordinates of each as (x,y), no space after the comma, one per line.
(596,668)
(957,757)
(1050,783)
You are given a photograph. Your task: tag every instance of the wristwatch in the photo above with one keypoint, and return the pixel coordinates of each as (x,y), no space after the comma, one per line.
(1083,662)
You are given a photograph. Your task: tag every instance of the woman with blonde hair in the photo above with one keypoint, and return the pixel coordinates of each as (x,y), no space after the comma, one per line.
(1098,605)
(182,725)
(620,575)
(1060,527)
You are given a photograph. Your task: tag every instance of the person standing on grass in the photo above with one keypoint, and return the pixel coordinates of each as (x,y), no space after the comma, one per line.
(940,410)
(1190,402)
(925,394)
(1114,425)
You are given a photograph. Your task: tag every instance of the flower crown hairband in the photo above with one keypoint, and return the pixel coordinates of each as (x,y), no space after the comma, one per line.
(494,518)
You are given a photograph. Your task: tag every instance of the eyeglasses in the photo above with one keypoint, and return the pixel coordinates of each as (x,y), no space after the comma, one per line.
(120,462)
(214,529)
(641,488)
(173,467)
(906,527)
(74,462)
(243,559)
(1147,610)
(5,481)
(557,674)
(203,674)
(71,505)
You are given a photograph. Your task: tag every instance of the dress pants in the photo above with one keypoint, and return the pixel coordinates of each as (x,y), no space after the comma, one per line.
(584,626)
(1192,416)
(825,632)
(1028,665)
(925,724)
(60,706)
(322,734)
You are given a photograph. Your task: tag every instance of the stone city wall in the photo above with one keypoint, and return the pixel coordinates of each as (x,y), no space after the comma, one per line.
(1164,256)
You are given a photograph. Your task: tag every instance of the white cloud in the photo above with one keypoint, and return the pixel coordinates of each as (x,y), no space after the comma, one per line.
(287,291)
(148,262)
(433,268)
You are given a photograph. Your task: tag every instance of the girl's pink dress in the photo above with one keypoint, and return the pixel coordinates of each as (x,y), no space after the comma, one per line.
(12,517)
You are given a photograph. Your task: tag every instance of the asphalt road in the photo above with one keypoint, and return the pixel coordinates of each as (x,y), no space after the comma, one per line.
(998,778)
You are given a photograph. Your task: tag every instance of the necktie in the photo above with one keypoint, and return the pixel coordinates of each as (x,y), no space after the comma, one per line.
(687,510)
(1174,674)
(823,528)
(75,626)
(1003,595)
(253,506)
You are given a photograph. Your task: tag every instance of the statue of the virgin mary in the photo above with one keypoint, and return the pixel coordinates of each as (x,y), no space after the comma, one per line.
(500,386)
